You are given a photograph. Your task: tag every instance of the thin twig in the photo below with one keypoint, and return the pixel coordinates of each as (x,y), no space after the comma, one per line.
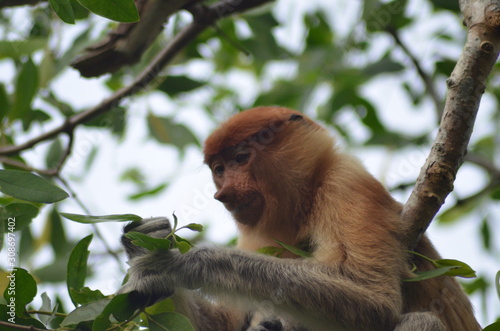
(53,172)
(96,229)
(486,190)
(20,327)
(428,81)
(483,163)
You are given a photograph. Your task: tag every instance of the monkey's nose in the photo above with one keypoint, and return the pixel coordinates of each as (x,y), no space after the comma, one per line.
(219,195)
(224,194)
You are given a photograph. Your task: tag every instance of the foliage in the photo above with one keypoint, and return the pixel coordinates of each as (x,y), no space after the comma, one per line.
(328,70)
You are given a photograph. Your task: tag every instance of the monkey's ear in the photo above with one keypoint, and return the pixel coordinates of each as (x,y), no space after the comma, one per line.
(296,117)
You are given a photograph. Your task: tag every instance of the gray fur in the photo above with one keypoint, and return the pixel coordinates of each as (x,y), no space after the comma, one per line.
(306,290)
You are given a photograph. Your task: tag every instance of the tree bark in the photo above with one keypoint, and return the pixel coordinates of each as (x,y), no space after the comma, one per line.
(465,87)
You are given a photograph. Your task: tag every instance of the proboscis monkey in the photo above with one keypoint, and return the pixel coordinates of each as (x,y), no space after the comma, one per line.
(282,178)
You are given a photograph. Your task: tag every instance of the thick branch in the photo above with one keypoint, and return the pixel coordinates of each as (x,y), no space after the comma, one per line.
(465,87)
(126,44)
(203,18)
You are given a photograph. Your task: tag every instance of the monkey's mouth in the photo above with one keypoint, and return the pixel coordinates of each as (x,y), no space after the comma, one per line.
(248,212)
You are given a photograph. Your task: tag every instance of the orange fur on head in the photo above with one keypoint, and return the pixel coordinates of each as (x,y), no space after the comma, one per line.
(279,138)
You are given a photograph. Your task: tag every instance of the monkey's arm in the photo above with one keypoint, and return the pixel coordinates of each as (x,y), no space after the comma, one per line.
(302,288)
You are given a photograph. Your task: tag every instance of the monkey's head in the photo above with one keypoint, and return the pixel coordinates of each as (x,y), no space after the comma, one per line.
(266,161)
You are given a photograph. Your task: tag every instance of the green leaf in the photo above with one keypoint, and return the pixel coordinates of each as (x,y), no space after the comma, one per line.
(495,195)
(26,87)
(17,48)
(445,66)
(26,245)
(422,275)
(47,68)
(174,85)
(77,267)
(133,175)
(148,193)
(114,120)
(167,132)
(4,224)
(4,102)
(263,45)
(86,295)
(384,66)
(446,267)
(88,219)
(163,306)
(29,187)
(387,15)
(54,155)
(176,221)
(286,93)
(497,283)
(460,269)
(272,250)
(183,246)
(58,240)
(21,214)
(35,116)
(320,34)
(486,234)
(150,243)
(479,284)
(79,11)
(446,4)
(493,327)
(116,10)
(56,271)
(294,250)
(87,312)
(459,210)
(169,321)
(20,291)
(91,157)
(64,10)
(369,116)
(121,308)
(193,227)
(368,8)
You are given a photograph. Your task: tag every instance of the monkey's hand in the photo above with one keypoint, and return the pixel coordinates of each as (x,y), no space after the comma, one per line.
(156,227)
(149,277)
(145,273)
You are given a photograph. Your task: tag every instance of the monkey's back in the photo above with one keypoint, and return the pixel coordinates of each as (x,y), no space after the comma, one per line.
(442,295)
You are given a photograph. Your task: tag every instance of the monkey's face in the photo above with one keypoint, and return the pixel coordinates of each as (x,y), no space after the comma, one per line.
(236,187)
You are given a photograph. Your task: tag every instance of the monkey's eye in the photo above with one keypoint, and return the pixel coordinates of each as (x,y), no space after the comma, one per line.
(242,157)
(218,170)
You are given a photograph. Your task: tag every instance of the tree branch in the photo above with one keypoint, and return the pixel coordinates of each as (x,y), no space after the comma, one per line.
(17,3)
(483,163)
(126,44)
(20,327)
(46,172)
(465,87)
(203,17)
